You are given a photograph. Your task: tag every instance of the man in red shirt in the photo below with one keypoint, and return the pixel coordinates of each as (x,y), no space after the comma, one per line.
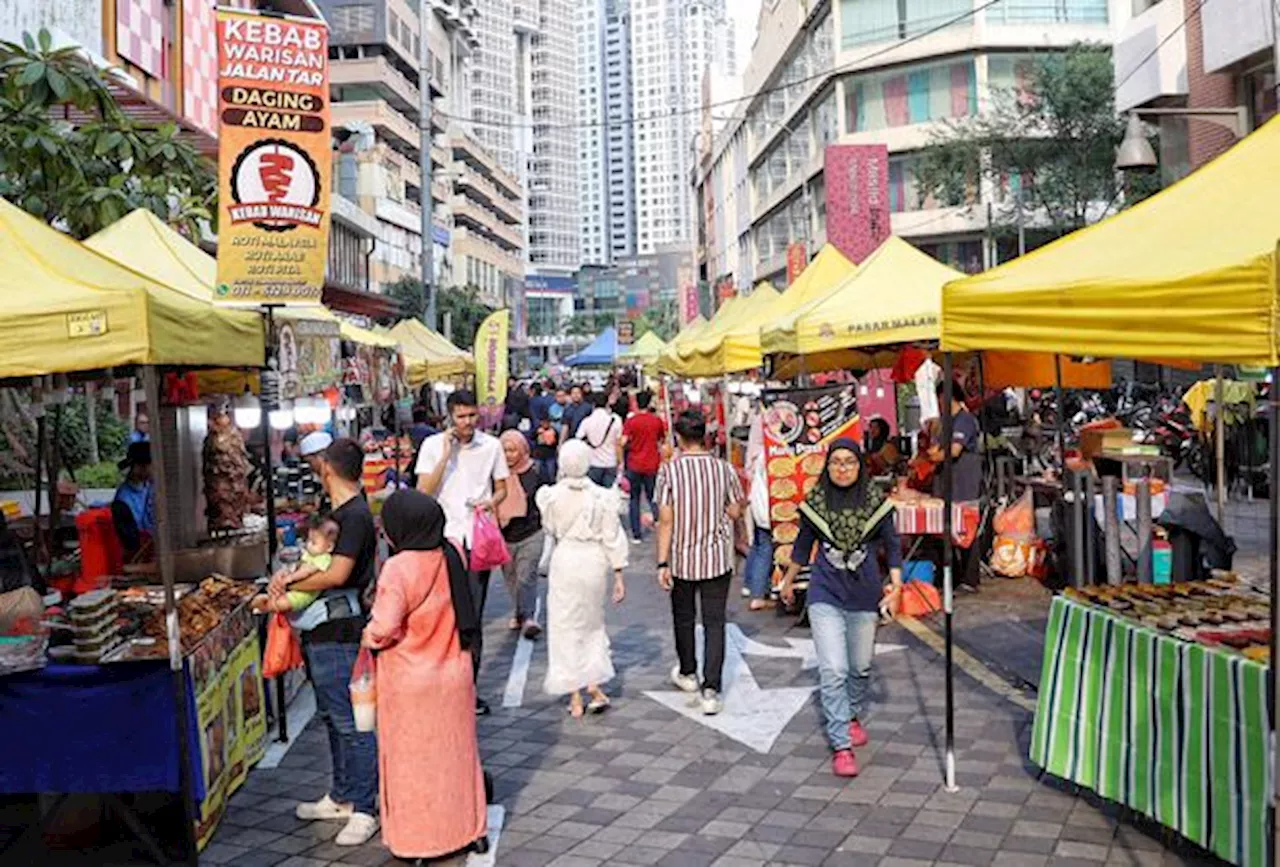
(641,437)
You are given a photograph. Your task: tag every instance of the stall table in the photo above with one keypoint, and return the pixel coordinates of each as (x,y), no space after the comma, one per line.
(111,728)
(926,519)
(1175,730)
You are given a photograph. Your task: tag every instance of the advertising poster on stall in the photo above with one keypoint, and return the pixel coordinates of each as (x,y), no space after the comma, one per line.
(491,364)
(310,356)
(274,159)
(799,424)
(857,198)
(230,713)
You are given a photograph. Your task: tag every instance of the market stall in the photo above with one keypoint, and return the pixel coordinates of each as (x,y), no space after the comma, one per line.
(1187,274)
(198,739)
(429,356)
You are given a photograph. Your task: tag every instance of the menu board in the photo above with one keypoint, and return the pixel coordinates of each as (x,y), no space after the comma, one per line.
(799,424)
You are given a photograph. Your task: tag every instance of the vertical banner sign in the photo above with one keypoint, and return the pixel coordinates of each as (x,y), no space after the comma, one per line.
(688,295)
(857,178)
(797,259)
(491,364)
(274,159)
(799,423)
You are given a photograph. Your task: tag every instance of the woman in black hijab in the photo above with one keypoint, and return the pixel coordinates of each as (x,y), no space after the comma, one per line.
(845,524)
(422,624)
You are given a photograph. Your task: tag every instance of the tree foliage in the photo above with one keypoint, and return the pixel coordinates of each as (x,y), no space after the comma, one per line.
(1056,137)
(462,303)
(85,177)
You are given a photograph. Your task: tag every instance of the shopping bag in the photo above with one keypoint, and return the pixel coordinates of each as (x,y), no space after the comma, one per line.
(919,599)
(1018,519)
(364,693)
(284,650)
(488,549)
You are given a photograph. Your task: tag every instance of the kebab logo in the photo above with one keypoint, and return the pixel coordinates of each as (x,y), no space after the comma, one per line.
(276,187)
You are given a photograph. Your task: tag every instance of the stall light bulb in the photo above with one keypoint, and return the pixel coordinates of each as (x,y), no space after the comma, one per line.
(247,412)
(282,418)
(304,411)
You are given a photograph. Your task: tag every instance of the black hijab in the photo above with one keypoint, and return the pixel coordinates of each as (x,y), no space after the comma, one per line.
(844,515)
(852,496)
(415,522)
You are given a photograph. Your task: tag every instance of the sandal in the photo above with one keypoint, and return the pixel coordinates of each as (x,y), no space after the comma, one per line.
(532,630)
(599,703)
(762,604)
(575,707)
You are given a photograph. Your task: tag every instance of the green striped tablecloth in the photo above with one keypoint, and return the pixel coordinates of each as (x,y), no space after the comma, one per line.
(1175,730)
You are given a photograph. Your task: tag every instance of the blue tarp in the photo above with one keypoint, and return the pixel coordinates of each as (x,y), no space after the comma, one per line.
(602,350)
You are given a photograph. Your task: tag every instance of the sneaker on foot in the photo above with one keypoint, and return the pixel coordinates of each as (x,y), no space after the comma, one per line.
(684,682)
(531,629)
(325,809)
(637,541)
(746,592)
(359,830)
(857,735)
(482,707)
(844,764)
(711,704)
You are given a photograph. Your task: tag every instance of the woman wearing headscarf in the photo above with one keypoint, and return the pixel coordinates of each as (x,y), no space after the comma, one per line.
(423,624)
(582,519)
(521,525)
(845,524)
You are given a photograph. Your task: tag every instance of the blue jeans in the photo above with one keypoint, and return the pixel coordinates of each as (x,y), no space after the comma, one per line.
(547,467)
(603,476)
(845,642)
(641,484)
(355,754)
(759,566)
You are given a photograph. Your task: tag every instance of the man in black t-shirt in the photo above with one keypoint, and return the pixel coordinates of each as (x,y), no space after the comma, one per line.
(330,648)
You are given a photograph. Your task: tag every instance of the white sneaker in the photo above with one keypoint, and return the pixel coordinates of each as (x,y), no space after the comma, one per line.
(635,541)
(324,810)
(359,830)
(746,592)
(711,704)
(684,682)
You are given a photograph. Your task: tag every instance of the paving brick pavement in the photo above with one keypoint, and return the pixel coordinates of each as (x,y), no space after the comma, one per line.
(643,785)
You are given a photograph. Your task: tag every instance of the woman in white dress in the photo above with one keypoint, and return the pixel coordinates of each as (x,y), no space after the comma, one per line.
(582,518)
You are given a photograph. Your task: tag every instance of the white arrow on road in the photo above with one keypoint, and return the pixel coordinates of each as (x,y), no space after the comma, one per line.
(751,716)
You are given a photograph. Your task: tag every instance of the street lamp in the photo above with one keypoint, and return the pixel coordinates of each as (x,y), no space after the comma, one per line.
(1135,152)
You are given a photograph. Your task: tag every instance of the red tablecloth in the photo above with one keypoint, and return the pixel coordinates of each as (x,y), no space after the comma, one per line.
(925,519)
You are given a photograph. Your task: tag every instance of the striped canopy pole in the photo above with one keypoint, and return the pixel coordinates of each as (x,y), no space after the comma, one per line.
(948,386)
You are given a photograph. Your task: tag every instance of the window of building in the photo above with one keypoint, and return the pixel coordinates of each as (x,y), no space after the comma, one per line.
(910,95)
(1048,12)
(864,21)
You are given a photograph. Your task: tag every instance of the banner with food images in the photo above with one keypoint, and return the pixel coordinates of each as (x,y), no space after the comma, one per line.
(274,159)
(799,424)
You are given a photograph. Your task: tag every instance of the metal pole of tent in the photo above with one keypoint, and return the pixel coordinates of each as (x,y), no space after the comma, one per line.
(948,386)
(1220,446)
(41,436)
(164,556)
(1062,416)
(264,425)
(1273,539)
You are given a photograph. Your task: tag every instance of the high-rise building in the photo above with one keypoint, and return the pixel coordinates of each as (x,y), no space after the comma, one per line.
(867,72)
(673,45)
(606,166)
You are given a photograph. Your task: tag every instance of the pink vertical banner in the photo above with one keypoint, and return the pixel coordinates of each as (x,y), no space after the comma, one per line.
(857,178)
(688,297)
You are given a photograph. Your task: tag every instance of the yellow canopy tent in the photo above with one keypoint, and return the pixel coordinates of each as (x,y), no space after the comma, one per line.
(365,337)
(428,355)
(730,350)
(645,350)
(676,358)
(67,308)
(1188,274)
(892,298)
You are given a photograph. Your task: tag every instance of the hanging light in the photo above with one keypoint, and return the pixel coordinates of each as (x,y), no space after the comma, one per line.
(247,411)
(282,418)
(1135,151)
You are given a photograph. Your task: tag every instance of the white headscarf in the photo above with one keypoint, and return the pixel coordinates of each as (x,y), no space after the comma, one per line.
(575,459)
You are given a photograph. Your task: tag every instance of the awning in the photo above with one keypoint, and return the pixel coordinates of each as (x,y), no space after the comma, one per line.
(65,307)
(602,350)
(684,345)
(646,348)
(365,337)
(894,297)
(1186,274)
(428,356)
(726,348)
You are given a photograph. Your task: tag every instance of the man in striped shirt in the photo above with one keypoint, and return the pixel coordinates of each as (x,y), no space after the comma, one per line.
(699,499)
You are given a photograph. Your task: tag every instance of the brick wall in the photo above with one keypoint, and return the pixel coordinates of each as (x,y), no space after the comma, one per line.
(1205,90)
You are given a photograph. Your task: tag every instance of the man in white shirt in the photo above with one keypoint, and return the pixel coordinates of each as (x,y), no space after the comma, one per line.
(465,470)
(602,430)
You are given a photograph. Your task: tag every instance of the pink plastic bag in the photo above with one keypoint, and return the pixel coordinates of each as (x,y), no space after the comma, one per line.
(488,548)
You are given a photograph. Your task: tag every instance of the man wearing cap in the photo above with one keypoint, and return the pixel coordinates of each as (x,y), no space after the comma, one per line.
(311,449)
(135,499)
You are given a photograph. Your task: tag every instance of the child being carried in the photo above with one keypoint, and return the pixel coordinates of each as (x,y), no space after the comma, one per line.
(317,555)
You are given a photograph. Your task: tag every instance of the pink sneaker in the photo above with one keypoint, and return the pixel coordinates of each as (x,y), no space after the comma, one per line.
(857,735)
(844,764)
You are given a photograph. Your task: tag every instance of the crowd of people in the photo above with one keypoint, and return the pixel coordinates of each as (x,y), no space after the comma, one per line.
(547,475)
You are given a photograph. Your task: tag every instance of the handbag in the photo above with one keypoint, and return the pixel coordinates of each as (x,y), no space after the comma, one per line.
(488,548)
(283,651)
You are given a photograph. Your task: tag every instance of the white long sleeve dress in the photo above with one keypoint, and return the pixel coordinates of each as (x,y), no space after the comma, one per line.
(583,520)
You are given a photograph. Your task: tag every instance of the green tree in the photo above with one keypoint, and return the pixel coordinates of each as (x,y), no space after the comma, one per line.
(408,292)
(1056,138)
(86,177)
(466,312)
(581,325)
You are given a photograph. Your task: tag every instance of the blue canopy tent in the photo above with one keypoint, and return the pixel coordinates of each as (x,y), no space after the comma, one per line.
(602,350)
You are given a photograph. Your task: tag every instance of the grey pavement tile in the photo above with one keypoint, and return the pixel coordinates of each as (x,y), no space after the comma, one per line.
(753,849)
(640,855)
(1099,836)
(770,833)
(898,861)
(1019,859)
(575,830)
(737,861)
(1028,828)
(222,853)
(616,834)
(785,819)
(976,839)
(527,858)
(251,838)
(303,861)
(865,846)
(1031,845)
(570,860)
(926,833)
(596,849)
(374,856)
(260,858)
(815,838)
(291,845)
(1083,851)
(923,849)
(959,854)
(662,839)
(556,845)
(809,856)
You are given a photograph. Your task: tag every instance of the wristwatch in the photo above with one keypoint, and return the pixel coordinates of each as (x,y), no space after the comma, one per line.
(664,565)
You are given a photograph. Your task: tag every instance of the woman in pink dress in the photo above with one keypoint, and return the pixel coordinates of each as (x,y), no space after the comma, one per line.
(422,625)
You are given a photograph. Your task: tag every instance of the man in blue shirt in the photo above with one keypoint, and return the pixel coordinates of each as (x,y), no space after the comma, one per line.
(134,509)
(575,413)
(141,429)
